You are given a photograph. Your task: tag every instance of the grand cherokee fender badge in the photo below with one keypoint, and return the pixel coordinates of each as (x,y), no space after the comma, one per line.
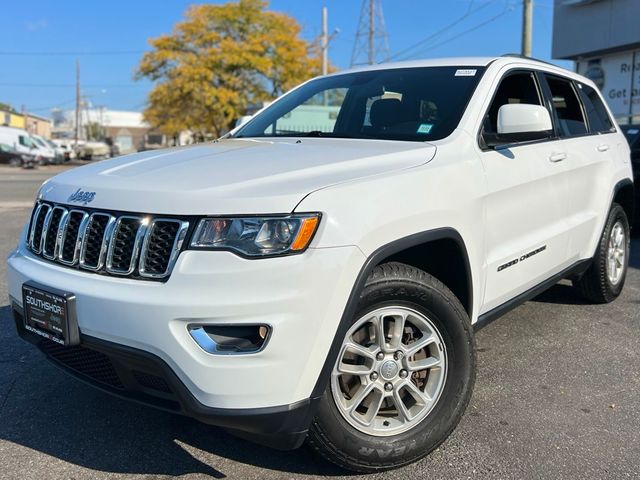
(522,258)
(81,197)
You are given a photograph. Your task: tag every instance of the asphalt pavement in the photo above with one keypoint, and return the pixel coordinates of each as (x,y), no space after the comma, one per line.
(556,397)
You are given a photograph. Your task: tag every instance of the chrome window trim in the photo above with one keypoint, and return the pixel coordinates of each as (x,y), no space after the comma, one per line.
(105,241)
(175,250)
(140,235)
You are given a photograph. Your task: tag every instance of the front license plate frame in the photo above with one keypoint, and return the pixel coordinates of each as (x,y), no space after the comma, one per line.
(50,313)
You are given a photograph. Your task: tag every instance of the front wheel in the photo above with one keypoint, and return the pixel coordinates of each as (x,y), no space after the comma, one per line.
(403,377)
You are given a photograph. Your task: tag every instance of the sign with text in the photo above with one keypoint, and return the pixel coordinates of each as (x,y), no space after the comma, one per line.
(618,77)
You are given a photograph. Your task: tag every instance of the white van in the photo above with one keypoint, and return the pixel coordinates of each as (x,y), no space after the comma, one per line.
(18,139)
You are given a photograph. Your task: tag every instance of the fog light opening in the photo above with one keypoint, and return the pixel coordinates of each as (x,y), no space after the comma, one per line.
(263,332)
(230,339)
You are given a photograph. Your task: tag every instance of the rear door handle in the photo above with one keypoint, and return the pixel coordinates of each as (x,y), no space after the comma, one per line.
(603,148)
(557,157)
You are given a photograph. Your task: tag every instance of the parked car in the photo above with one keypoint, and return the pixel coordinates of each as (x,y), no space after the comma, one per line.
(632,132)
(11,156)
(66,148)
(114,149)
(45,152)
(324,285)
(59,151)
(94,151)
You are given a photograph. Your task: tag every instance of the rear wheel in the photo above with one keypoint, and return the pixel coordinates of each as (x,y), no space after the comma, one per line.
(603,281)
(403,377)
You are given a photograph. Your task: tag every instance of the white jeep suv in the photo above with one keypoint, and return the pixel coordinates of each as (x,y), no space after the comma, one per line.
(317,274)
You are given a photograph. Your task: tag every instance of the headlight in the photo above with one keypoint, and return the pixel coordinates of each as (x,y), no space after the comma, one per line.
(256,236)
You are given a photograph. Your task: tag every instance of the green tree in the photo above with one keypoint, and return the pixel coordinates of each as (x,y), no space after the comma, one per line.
(220,60)
(6,107)
(93,131)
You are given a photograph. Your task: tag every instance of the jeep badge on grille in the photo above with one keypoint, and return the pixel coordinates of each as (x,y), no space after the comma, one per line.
(81,197)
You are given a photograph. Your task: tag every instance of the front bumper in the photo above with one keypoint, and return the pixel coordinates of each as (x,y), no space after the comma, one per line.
(302,297)
(144,378)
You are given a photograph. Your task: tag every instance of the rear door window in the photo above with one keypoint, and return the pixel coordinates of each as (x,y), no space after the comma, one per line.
(567,108)
(599,120)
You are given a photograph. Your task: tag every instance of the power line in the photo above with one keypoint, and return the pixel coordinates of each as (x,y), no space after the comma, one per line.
(67,85)
(73,53)
(507,10)
(469,12)
(59,104)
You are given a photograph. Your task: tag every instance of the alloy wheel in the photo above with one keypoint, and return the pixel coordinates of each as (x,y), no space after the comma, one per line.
(616,253)
(390,372)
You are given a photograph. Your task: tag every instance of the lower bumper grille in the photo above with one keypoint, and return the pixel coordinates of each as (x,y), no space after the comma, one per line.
(95,365)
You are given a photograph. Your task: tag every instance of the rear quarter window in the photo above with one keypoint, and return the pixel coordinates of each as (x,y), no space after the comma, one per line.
(599,120)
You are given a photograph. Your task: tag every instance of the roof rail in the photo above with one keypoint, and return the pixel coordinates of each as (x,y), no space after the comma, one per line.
(518,55)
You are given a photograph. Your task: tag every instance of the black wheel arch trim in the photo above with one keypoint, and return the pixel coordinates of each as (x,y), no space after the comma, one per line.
(626,182)
(380,254)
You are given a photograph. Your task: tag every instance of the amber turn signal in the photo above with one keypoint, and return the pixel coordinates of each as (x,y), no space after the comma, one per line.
(307,229)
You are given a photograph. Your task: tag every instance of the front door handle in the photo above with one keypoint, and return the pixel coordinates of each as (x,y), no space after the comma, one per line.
(557,157)
(603,148)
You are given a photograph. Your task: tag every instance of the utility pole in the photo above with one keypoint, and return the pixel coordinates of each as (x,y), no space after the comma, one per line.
(324,41)
(372,30)
(527,26)
(25,115)
(77,132)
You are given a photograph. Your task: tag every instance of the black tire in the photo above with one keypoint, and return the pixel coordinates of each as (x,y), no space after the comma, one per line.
(399,284)
(595,285)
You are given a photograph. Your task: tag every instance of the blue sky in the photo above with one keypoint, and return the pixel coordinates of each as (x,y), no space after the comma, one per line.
(54,29)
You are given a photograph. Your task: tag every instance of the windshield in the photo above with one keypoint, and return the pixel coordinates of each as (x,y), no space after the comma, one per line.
(38,142)
(414,104)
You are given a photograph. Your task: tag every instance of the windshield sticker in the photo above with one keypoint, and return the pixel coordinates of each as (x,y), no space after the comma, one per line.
(425,128)
(468,72)
(633,131)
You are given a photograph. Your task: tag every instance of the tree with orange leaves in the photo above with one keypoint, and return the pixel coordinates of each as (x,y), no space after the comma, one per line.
(220,60)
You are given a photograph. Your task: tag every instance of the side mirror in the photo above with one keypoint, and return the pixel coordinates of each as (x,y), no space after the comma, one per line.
(521,122)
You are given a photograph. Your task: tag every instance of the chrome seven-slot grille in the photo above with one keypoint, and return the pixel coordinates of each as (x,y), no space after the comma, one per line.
(132,245)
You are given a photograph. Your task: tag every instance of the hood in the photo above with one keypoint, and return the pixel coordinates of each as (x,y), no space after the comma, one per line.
(234,176)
